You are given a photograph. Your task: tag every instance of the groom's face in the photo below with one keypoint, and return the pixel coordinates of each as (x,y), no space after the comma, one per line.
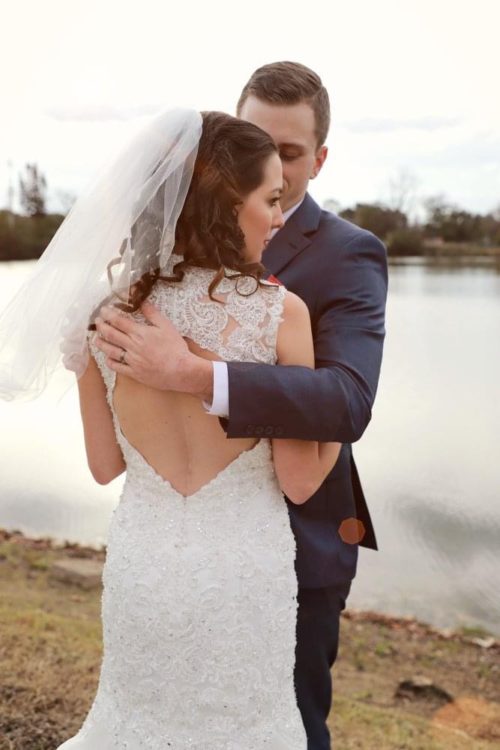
(292,127)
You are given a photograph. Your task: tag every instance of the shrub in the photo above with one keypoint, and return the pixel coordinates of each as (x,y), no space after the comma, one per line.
(25,237)
(405,242)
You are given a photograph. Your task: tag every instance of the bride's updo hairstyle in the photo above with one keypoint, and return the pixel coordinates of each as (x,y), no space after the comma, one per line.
(230,164)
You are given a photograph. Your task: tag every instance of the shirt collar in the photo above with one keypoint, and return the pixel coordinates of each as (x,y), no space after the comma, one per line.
(287,214)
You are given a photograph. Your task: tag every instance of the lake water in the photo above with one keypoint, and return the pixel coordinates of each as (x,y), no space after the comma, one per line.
(429,460)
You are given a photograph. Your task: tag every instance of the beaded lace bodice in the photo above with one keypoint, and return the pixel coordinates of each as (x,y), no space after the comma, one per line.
(241,328)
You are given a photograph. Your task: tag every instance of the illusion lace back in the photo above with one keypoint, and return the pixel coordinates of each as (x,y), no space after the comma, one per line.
(199,595)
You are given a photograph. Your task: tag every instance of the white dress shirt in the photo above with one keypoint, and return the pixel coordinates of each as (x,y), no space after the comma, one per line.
(220,403)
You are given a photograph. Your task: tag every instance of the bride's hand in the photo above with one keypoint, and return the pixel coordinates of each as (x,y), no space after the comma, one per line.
(155,355)
(75,358)
(72,359)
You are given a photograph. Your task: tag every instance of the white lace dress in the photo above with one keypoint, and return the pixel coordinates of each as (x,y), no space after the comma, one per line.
(199,593)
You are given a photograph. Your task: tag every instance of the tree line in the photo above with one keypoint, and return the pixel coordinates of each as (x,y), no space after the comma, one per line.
(446,229)
(25,236)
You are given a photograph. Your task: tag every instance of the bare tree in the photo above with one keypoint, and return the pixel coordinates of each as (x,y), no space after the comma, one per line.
(10,187)
(330,204)
(403,191)
(33,191)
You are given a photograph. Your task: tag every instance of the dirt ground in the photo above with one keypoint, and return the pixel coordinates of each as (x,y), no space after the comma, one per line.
(398,684)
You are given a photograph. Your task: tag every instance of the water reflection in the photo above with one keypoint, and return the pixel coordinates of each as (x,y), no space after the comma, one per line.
(428,461)
(449,265)
(451,536)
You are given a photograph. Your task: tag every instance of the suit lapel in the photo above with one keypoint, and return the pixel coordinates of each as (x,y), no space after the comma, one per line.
(293,238)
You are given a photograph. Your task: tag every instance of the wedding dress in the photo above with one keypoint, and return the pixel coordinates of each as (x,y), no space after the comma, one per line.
(199,592)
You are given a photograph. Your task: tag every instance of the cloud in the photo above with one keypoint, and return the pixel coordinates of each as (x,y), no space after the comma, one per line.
(474,151)
(100,112)
(386,125)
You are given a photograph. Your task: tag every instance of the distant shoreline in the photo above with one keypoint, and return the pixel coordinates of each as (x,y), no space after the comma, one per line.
(438,253)
(450,234)
(446,261)
(436,261)
(453,251)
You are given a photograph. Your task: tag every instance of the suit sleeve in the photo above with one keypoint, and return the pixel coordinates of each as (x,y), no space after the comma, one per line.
(334,401)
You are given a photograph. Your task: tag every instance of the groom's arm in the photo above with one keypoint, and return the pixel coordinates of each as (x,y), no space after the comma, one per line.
(330,404)
(333,402)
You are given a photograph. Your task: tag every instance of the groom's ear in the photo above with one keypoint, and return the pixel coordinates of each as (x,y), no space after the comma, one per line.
(319,160)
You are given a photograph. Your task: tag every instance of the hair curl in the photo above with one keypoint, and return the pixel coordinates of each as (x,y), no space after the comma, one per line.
(229,165)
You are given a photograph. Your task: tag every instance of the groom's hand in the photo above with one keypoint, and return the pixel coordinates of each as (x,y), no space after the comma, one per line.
(155,354)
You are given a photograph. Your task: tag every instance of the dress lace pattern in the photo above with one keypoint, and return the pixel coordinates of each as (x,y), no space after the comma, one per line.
(243,328)
(200,594)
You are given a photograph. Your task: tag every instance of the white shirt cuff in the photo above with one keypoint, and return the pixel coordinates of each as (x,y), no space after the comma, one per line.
(220,403)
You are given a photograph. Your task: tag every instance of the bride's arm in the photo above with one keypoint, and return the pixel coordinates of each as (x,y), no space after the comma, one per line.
(301,465)
(104,456)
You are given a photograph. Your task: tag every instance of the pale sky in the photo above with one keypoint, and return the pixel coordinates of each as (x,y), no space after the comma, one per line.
(413,85)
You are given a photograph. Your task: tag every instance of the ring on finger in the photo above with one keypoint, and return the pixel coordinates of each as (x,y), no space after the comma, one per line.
(122,357)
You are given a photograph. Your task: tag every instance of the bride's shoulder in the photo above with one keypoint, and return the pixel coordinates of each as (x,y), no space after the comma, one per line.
(294,345)
(294,307)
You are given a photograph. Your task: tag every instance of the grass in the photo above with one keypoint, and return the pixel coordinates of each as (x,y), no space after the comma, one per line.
(50,655)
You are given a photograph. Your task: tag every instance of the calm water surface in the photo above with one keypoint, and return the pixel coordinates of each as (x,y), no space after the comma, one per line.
(428,461)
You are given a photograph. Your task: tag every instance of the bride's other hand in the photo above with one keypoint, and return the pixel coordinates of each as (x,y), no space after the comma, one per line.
(155,355)
(74,357)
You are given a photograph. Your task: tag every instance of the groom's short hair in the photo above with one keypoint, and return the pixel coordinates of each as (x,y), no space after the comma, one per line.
(290,83)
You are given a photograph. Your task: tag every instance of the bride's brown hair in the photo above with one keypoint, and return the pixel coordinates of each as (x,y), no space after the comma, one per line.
(229,165)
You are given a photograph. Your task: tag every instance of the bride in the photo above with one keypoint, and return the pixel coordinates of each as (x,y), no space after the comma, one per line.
(199,587)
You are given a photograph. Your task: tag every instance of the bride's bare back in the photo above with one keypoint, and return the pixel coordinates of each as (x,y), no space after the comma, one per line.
(173,431)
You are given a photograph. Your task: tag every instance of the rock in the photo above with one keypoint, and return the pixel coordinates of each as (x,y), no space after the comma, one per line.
(82,572)
(447,633)
(474,717)
(422,687)
(483,642)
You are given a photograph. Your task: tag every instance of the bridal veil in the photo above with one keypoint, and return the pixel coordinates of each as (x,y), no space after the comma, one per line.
(126,218)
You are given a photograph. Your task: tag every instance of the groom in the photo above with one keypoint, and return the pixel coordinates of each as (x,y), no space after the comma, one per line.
(340,271)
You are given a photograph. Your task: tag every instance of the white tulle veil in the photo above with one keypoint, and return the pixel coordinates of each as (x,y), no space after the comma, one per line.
(129,213)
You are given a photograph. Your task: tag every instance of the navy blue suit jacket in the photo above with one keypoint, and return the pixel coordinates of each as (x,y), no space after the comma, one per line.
(340,271)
